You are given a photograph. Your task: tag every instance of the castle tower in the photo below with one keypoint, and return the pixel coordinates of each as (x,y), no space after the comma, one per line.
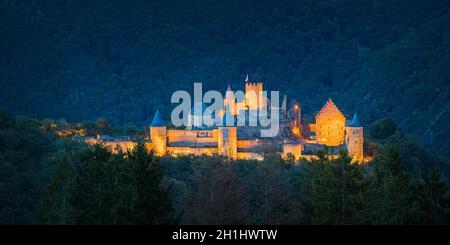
(158,135)
(330,125)
(230,100)
(227,136)
(253,95)
(354,139)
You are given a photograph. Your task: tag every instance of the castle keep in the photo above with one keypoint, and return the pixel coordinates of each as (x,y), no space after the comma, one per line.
(330,131)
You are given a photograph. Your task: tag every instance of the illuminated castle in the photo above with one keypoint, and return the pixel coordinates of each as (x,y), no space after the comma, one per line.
(331,131)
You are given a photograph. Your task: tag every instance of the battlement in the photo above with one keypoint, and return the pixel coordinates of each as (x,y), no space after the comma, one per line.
(256,87)
(253,92)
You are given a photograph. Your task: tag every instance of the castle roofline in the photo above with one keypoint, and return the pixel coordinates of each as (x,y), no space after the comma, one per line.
(329,106)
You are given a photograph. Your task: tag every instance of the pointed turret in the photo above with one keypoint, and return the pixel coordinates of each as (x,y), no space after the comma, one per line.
(355,121)
(229,93)
(157,120)
(230,100)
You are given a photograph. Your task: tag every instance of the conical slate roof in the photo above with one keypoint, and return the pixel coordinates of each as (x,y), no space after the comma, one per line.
(355,121)
(157,120)
(229,94)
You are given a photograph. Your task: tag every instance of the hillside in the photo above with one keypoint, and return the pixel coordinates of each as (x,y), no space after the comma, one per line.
(83,60)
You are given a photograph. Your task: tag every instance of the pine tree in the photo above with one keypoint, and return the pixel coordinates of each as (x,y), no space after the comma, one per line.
(272,191)
(335,185)
(92,192)
(434,199)
(216,196)
(151,203)
(54,207)
(389,197)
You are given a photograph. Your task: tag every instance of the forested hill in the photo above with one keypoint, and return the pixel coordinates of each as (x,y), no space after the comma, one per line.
(121,60)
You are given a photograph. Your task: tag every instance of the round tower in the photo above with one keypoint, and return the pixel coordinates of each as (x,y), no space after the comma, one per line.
(354,139)
(158,135)
(227,136)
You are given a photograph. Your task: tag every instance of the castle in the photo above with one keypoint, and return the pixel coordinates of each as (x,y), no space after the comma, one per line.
(295,138)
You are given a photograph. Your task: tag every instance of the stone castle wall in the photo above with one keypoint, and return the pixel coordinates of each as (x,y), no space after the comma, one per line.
(196,136)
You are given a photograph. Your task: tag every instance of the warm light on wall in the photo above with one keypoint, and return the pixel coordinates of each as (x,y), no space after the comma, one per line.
(329,129)
(330,125)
